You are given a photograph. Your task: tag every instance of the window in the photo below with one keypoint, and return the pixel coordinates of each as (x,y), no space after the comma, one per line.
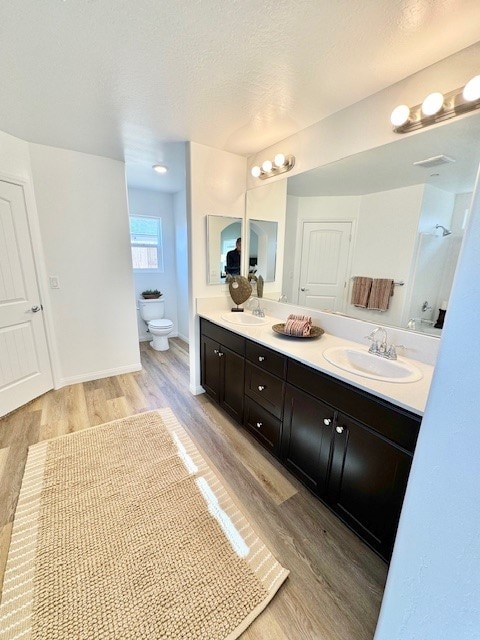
(146,241)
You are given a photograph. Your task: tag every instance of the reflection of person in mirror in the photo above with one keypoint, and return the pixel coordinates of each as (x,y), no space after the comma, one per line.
(233,259)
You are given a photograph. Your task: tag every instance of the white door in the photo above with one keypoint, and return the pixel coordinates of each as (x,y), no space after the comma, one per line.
(25,370)
(324,263)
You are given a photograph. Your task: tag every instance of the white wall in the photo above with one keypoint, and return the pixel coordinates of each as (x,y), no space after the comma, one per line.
(154,203)
(433,587)
(270,203)
(216,185)
(82,209)
(181,260)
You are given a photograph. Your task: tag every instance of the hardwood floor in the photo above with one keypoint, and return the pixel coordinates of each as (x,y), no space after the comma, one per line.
(336,583)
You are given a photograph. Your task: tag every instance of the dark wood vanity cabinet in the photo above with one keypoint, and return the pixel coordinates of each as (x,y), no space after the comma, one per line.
(223,367)
(351,449)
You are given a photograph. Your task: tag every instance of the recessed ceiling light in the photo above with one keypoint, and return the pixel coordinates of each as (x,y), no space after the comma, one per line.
(160,168)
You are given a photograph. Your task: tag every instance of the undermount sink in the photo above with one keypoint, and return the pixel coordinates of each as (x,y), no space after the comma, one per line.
(245,319)
(362,363)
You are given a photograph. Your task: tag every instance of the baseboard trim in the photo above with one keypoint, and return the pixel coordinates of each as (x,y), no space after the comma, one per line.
(196,391)
(96,375)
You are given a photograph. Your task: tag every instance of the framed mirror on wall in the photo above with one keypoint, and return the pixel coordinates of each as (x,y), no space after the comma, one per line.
(378,215)
(223,247)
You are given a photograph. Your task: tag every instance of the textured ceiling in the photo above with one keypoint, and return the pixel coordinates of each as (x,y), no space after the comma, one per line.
(120,78)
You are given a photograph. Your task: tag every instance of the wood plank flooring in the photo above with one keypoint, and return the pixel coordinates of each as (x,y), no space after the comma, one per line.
(336,583)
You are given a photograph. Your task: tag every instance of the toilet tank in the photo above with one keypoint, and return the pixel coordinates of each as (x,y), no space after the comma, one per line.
(151,309)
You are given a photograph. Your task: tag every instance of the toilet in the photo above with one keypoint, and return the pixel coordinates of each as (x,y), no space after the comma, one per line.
(152,312)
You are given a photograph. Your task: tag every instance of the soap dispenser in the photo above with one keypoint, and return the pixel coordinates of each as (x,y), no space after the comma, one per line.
(441,315)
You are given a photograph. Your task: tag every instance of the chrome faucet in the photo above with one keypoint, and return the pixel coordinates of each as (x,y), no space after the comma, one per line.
(381,347)
(258,311)
(378,347)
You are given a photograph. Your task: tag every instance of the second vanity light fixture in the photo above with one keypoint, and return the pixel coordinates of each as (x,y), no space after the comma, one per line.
(437,107)
(281,164)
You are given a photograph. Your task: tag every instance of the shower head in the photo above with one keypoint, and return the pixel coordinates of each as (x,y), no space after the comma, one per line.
(445,232)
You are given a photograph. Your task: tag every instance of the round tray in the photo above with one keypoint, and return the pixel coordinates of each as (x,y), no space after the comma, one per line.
(315,332)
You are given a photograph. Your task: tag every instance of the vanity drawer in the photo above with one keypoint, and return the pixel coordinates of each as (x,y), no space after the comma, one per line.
(266,359)
(263,425)
(231,340)
(266,389)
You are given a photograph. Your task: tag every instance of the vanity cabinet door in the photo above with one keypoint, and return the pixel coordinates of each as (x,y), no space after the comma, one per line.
(307,438)
(210,367)
(367,482)
(223,373)
(232,374)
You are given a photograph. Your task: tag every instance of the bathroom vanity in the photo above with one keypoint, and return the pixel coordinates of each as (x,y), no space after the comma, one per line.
(350,443)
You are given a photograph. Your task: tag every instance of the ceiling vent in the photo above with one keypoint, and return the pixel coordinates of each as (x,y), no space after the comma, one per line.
(434,161)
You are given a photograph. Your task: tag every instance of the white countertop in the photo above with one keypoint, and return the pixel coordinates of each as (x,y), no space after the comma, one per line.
(409,395)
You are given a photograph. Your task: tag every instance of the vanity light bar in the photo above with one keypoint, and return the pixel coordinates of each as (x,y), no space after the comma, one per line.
(437,107)
(268,169)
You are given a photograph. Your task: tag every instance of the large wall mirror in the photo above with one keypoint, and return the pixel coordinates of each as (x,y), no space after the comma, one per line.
(381,214)
(222,235)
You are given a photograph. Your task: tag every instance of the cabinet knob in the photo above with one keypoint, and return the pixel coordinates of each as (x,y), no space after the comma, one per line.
(220,354)
(259,424)
(261,387)
(339,429)
(215,351)
(327,421)
(261,358)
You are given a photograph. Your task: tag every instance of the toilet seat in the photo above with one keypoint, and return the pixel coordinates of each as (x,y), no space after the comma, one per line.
(160,324)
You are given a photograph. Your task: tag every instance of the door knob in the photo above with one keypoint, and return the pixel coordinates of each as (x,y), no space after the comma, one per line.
(36,309)
(303,289)
(339,429)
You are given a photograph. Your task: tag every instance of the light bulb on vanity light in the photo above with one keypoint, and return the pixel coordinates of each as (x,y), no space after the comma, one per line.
(400,115)
(255,171)
(432,104)
(267,166)
(279,160)
(471,91)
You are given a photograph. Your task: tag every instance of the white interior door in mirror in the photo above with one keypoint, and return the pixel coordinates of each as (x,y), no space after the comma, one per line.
(324,265)
(25,371)
(222,235)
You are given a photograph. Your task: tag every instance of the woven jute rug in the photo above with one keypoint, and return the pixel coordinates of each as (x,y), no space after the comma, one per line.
(124,531)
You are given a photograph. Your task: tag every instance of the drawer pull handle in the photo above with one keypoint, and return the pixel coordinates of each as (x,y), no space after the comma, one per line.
(261,387)
(261,358)
(327,421)
(339,429)
(259,425)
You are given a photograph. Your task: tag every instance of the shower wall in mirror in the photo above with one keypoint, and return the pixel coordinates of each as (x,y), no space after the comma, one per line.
(379,216)
(222,235)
